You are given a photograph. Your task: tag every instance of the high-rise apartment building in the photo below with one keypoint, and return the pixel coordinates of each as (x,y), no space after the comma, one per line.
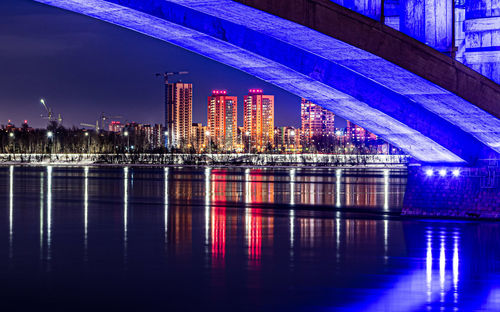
(222,118)
(317,122)
(258,120)
(178,113)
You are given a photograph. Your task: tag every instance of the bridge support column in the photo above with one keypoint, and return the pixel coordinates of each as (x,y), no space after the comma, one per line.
(453,192)
(429,21)
(482,37)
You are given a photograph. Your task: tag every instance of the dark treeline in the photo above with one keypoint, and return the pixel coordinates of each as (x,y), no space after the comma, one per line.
(58,139)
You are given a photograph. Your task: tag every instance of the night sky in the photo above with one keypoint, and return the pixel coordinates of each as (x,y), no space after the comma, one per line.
(82,67)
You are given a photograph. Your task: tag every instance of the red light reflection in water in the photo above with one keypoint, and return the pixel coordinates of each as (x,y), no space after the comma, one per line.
(218,234)
(254,236)
(218,220)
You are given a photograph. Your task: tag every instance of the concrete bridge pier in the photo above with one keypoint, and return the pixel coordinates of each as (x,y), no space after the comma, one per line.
(453,192)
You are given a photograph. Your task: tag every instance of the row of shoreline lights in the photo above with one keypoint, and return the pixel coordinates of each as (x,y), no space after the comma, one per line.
(443,172)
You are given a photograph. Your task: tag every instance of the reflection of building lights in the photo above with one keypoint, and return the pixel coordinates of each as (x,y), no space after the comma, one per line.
(125,208)
(442,172)
(248,195)
(429,172)
(165,202)
(219,233)
(207,204)
(338,175)
(85,206)
(386,190)
(442,268)
(49,210)
(428,262)
(11,207)
(455,268)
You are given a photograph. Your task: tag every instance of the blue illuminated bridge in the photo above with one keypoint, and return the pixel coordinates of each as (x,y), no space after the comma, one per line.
(413,95)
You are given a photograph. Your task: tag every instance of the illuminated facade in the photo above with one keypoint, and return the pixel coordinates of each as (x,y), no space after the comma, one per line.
(317,122)
(287,139)
(115,126)
(222,118)
(357,134)
(198,137)
(178,113)
(258,119)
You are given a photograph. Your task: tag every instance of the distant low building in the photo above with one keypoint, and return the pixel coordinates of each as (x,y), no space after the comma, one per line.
(115,126)
(287,139)
(198,137)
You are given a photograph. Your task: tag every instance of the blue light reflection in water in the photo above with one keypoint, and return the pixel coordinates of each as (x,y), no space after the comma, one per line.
(235,239)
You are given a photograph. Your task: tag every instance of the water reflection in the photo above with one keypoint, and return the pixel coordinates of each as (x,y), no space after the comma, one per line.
(49,213)
(165,202)
(125,212)
(85,208)
(11,209)
(244,234)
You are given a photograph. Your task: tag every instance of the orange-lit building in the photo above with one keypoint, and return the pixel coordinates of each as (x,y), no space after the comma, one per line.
(115,126)
(178,113)
(258,120)
(221,119)
(316,122)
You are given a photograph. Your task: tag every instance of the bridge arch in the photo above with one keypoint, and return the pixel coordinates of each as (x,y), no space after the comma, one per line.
(431,122)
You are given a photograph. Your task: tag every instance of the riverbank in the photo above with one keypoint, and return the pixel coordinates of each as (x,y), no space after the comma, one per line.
(288,160)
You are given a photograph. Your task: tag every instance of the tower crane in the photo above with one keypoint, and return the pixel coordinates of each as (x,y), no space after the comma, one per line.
(95,127)
(168,74)
(50,116)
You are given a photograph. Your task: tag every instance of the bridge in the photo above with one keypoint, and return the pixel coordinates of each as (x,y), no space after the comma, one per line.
(411,95)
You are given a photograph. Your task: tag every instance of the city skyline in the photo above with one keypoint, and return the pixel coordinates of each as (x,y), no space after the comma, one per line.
(78,65)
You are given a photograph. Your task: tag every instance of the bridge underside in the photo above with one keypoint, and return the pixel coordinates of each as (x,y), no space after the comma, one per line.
(428,122)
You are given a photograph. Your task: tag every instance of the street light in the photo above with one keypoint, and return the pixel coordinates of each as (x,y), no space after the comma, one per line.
(50,134)
(128,140)
(292,133)
(11,134)
(88,142)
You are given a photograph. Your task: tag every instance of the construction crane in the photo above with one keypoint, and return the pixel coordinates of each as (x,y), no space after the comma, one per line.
(168,74)
(50,115)
(95,127)
(169,110)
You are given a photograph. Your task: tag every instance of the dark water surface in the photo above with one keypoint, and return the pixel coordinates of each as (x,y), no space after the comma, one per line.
(188,239)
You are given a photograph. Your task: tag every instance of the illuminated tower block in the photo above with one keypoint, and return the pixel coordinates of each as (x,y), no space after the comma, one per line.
(258,119)
(178,113)
(222,119)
